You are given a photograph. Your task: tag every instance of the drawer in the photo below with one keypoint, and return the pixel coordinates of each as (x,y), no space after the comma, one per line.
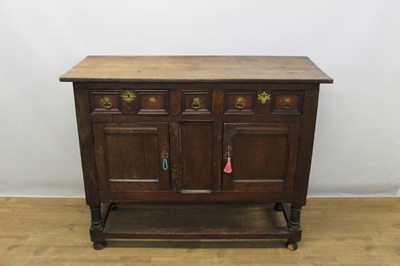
(196,102)
(129,102)
(264,102)
(152,101)
(239,103)
(287,102)
(105,102)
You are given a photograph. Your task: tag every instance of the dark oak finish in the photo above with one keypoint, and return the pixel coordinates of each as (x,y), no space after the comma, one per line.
(157,130)
(128,156)
(217,221)
(263,156)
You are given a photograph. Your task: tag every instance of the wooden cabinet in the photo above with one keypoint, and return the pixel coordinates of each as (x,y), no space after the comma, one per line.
(160,130)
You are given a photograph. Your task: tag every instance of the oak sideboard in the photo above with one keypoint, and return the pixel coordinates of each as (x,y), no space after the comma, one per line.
(196,147)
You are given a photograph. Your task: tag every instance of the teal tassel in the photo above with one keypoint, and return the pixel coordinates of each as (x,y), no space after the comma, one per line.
(165,164)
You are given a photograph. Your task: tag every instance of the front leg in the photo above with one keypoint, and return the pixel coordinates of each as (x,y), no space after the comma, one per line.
(294,228)
(96,228)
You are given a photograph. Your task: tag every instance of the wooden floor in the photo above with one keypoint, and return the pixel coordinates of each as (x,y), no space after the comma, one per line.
(342,231)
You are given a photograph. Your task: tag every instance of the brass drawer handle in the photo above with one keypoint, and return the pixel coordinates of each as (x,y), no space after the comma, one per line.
(287,103)
(196,103)
(128,96)
(239,103)
(106,101)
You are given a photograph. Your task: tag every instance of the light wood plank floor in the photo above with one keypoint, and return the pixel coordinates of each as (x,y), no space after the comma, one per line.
(341,231)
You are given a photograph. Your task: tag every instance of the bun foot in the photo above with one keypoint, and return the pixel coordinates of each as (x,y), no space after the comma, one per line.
(292,246)
(99,245)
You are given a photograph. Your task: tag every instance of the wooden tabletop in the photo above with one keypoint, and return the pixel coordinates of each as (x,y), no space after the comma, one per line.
(196,69)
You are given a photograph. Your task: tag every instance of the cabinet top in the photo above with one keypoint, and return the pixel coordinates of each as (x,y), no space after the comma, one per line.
(288,69)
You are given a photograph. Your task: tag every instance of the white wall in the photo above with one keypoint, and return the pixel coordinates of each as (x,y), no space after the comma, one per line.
(357,145)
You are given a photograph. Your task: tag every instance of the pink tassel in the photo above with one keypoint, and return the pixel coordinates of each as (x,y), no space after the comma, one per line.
(228,166)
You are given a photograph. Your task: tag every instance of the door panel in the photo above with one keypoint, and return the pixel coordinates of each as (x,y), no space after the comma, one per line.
(197,155)
(128,157)
(263,156)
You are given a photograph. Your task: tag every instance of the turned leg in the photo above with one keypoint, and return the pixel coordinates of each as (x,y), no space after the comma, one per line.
(294,228)
(96,228)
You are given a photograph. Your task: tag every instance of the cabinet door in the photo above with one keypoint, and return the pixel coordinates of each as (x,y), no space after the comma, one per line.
(131,156)
(263,156)
(197,147)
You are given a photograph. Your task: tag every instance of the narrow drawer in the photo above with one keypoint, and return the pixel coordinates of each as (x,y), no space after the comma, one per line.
(105,102)
(239,102)
(287,102)
(152,101)
(196,102)
(129,102)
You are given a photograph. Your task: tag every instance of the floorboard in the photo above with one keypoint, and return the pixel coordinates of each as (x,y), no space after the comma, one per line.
(339,231)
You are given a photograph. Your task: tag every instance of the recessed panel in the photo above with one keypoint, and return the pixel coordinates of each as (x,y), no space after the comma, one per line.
(197,155)
(262,156)
(239,103)
(105,102)
(153,102)
(196,102)
(131,156)
(289,103)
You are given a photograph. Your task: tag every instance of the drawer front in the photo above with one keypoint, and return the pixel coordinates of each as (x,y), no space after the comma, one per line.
(129,102)
(264,102)
(156,102)
(196,102)
(105,102)
(287,103)
(153,102)
(239,103)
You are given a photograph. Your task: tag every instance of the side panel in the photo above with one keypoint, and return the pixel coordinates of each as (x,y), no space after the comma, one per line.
(86,143)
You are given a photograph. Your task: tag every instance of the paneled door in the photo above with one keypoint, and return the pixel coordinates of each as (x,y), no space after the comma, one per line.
(132,156)
(197,152)
(263,156)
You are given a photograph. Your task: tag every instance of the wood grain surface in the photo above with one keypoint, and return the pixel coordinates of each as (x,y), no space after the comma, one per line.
(197,68)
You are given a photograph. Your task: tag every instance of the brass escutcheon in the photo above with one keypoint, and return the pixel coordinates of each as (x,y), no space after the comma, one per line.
(264,97)
(287,103)
(196,103)
(164,155)
(128,96)
(239,103)
(106,101)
